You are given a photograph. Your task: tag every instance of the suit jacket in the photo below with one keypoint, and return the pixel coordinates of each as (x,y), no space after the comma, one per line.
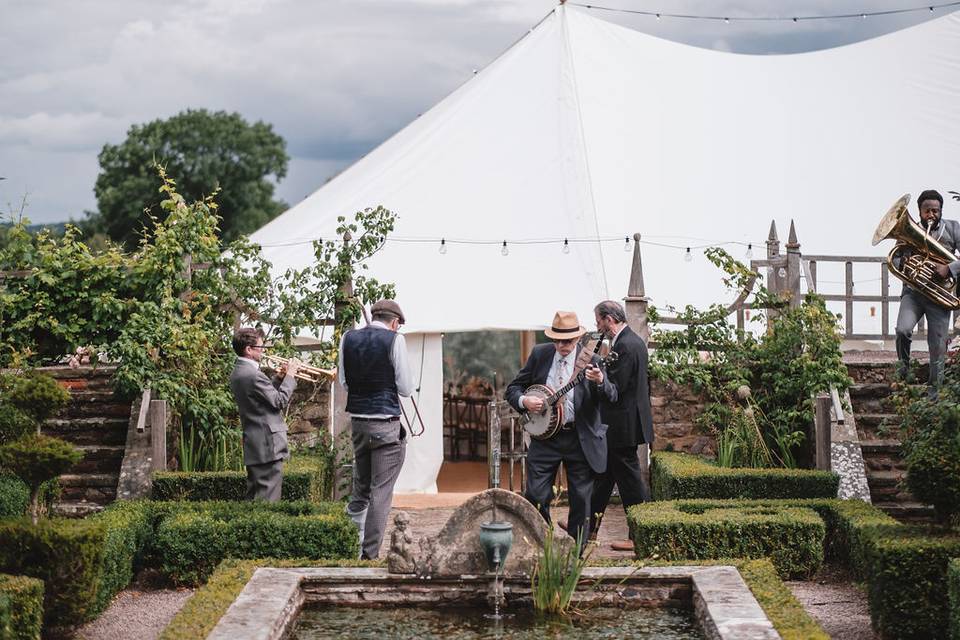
(261,403)
(586,402)
(630,418)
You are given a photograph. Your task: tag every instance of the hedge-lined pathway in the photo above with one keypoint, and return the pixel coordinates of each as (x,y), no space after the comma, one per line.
(139,612)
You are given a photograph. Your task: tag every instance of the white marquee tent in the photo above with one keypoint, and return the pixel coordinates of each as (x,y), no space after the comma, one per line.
(589,131)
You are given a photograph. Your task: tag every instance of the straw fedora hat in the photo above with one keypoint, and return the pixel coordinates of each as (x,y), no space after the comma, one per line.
(565,326)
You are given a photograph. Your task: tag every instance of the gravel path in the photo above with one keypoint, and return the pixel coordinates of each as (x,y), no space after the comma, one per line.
(136,614)
(838,604)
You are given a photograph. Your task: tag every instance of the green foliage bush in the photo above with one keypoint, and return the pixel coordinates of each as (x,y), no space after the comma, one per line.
(675,476)
(798,357)
(14,497)
(21,607)
(791,537)
(304,478)
(930,429)
(192,538)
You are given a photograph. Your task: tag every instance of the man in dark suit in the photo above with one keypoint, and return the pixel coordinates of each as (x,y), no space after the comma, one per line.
(580,443)
(261,402)
(630,419)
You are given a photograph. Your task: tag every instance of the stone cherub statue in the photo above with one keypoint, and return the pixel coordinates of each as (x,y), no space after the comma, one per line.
(400,558)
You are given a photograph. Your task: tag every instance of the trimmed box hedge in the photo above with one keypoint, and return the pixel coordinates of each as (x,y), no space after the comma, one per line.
(201,613)
(192,538)
(953,592)
(304,478)
(907,583)
(83,563)
(792,537)
(678,476)
(21,607)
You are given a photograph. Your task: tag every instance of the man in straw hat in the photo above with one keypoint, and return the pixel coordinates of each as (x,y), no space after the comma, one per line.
(581,441)
(374,370)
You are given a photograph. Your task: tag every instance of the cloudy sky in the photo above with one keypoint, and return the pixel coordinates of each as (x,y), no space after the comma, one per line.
(334,77)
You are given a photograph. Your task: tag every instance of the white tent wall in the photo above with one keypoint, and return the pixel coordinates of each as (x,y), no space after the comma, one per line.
(587,130)
(424,452)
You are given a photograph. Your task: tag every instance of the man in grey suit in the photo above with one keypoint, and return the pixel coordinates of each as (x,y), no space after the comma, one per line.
(261,403)
(374,371)
(581,442)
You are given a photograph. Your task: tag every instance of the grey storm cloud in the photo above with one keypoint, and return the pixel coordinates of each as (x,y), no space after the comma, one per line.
(334,77)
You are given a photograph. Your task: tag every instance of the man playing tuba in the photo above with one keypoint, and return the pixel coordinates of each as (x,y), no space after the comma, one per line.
(914,305)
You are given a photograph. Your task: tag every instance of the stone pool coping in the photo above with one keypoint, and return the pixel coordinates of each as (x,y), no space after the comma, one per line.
(268,606)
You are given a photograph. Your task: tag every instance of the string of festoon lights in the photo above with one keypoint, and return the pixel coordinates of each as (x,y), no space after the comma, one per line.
(444,244)
(780,18)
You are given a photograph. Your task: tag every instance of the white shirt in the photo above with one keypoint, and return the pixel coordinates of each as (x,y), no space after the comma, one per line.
(613,340)
(401,369)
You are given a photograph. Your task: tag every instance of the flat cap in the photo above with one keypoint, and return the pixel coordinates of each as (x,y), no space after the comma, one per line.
(388,306)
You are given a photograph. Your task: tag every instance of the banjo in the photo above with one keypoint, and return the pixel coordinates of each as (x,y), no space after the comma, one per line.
(544,425)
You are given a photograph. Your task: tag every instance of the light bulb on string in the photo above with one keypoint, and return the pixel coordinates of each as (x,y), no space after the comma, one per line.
(504,251)
(749,253)
(566,246)
(782,272)
(726,21)
(658,15)
(443,246)
(688,257)
(626,244)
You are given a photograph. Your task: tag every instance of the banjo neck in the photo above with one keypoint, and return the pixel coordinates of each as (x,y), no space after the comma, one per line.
(575,380)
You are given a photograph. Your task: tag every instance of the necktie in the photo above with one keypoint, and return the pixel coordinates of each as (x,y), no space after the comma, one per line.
(561,372)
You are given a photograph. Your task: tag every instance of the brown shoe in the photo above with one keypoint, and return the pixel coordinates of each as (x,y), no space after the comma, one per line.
(622,545)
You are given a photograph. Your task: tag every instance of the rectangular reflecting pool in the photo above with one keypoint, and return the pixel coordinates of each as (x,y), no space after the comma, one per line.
(368,602)
(468,623)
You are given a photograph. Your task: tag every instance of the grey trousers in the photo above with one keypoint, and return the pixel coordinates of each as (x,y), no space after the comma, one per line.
(264,481)
(379,448)
(912,306)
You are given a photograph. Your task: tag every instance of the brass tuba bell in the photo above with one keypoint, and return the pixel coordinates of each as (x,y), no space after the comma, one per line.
(918,267)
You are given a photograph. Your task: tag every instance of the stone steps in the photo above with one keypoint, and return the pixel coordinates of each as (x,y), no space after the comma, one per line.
(89,430)
(908,511)
(99,488)
(99,458)
(76,509)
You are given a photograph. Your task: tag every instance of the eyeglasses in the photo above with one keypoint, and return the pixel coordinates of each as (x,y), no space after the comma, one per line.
(567,341)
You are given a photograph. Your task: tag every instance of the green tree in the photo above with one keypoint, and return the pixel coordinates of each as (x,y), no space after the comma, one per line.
(209,152)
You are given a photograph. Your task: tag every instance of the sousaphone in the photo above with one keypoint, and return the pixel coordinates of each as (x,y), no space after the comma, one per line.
(916,255)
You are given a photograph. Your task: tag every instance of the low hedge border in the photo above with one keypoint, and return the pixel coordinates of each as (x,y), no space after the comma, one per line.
(677,476)
(953,592)
(191,539)
(21,607)
(905,568)
(201,613)
(792,537)
(304,478)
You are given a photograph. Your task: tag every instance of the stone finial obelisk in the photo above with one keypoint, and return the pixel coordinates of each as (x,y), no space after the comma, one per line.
(636,301)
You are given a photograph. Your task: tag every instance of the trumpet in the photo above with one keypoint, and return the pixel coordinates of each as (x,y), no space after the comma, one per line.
(304,372)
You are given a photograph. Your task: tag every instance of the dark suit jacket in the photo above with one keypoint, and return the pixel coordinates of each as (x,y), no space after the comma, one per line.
(586,402)
(261,402)
(630,418)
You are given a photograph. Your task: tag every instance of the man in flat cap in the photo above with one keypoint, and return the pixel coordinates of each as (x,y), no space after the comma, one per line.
(373,369)
(581,442)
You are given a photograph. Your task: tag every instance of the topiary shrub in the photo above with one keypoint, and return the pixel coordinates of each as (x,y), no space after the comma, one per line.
(21,607)
(26,401)
(36,459)
(953,592)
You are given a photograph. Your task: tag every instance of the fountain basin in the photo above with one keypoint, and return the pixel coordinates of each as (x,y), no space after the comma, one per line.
(268,606)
